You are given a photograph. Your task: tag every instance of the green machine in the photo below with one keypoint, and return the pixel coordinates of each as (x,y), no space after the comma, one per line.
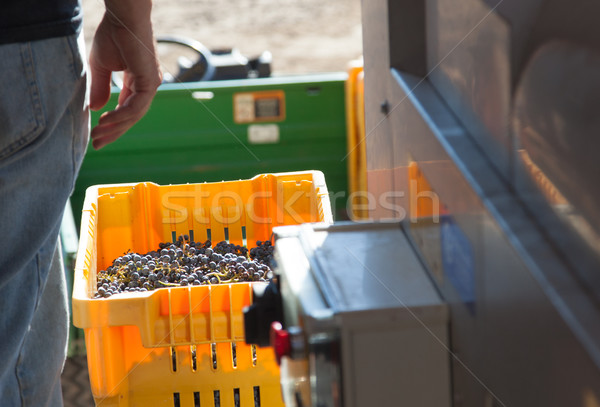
(229,130)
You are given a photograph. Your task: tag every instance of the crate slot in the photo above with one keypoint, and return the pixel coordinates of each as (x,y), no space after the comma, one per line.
(244,240)
(208,234)
(196,399)
(236,397)
(256,396)
(217,398)
(175,399)
(226,232)
(234,354)
(173,360)
(213,351)
(190,315)
(253,347)
(191,235)
(193,358)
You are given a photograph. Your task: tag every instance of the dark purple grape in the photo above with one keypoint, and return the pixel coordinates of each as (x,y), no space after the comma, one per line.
(186,264)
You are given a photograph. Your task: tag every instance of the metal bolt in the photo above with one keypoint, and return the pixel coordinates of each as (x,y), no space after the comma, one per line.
(385,107)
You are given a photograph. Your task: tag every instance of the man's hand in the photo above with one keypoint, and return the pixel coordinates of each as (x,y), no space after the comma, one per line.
(123,42)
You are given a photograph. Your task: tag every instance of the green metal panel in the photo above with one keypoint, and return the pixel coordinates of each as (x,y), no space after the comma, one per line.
(69,243)
(182,139)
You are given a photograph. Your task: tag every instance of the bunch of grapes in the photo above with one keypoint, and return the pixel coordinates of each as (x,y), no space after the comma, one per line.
(225,248)
(263,252)
(183,263)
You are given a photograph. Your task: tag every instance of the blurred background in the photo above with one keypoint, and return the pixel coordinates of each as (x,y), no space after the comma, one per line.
(304,36)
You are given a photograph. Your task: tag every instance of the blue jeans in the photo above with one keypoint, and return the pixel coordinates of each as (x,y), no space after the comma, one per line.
(44,131)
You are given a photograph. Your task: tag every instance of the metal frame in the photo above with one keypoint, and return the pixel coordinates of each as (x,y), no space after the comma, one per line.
(531,334)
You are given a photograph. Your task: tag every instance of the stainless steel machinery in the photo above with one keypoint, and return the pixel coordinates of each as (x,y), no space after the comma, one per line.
(483,136)
(360,333)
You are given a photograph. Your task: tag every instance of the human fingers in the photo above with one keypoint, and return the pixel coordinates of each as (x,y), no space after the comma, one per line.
(103,137)
(100,86)
(109,131)
(115,123)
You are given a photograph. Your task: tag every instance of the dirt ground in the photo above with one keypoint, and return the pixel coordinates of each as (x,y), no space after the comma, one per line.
(302,35)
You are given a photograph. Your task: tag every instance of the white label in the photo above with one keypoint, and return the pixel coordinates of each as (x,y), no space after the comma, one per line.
(200,95)
(244,108)
(263,133)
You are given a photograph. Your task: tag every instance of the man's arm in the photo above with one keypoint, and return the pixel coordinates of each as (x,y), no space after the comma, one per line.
(123,42)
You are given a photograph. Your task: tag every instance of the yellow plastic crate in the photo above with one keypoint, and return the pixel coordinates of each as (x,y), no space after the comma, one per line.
(355,136)
(176,346)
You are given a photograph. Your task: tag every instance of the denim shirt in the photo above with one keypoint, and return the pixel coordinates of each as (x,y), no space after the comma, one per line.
(30,20)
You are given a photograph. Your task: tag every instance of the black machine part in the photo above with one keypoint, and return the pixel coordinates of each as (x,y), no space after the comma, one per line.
(266,308)
(216,64)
